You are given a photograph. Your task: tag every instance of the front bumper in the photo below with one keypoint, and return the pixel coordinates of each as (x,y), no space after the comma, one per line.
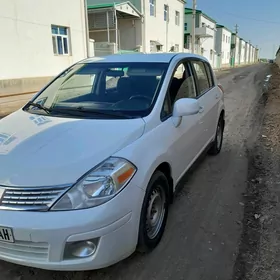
(40,237)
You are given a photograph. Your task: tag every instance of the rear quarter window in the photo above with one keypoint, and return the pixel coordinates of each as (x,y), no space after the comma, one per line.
(209,74)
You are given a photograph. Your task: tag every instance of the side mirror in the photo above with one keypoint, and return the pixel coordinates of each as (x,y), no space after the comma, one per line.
(184,107)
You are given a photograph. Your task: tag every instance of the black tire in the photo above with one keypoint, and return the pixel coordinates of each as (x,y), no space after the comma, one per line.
(217,144)
(158,185)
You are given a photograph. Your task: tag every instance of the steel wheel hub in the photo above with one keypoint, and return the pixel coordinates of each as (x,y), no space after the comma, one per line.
(155,212)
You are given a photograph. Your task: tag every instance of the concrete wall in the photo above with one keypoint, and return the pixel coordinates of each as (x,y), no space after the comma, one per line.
(277,59)
(247,54)
(223,45)
(167,33)
(237,51)
(129,34)
(26,51)
(252,55)
(242,51)
(208,44)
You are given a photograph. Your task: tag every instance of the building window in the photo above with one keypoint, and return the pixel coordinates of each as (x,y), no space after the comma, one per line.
(159,48)
(185,26)
(60,40)
(153,8)
(177,18)
(203,24)
(187,41)
(223,37)
(211,54)
(165,13)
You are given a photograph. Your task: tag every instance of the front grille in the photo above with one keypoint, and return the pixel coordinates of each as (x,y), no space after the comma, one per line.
(25,250)
(36,199)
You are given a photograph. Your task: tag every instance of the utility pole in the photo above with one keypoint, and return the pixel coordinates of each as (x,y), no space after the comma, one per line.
(235,49)
(193,25)
(86,29)
(236,28)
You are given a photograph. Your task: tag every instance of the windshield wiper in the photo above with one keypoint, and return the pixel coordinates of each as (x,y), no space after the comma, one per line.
(39,106)
(84,110)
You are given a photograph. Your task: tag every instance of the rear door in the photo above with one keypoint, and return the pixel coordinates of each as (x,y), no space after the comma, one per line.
(208,97)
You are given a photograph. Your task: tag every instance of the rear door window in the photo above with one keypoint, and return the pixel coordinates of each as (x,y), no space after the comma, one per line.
(202,77)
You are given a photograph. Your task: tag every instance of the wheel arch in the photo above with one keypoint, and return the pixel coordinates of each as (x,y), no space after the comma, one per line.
(165,168)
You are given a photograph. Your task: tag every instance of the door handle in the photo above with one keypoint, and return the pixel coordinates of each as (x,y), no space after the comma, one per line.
(201,109)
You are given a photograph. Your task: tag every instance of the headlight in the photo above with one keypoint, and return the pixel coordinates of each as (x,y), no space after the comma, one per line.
(98,186)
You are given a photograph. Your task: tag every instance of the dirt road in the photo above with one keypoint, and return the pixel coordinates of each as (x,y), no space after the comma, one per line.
(205,222)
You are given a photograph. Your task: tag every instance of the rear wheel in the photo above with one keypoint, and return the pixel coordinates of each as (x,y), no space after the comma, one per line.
(218,142)
(154,213)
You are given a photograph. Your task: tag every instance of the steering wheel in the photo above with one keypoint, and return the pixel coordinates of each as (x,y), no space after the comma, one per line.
(141,97)
(131,98)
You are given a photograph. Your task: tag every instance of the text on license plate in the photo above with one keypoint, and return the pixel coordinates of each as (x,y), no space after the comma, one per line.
(6,235)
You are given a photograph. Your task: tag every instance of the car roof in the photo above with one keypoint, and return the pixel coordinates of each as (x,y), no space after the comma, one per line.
(141,57)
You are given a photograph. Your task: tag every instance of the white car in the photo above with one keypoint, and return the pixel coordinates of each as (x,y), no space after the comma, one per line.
(88,168)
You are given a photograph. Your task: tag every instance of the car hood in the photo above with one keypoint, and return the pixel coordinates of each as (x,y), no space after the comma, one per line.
(38,150)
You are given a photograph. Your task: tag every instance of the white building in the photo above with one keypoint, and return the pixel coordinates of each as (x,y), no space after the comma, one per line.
(247,52)
(164,25)
(38,40)
(235,51)
(242,51)
(205,32)
(136,25)
(252,55)
(223,45)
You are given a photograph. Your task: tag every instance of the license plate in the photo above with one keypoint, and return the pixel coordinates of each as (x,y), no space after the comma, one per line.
(6,235)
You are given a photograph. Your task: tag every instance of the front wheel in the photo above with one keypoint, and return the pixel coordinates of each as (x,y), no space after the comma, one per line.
(218,142)
(154,213)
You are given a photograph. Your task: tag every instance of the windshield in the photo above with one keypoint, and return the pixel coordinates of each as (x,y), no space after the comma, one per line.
(103,90)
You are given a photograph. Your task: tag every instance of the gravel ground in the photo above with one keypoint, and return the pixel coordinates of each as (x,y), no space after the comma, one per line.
(259,258)
(204,238)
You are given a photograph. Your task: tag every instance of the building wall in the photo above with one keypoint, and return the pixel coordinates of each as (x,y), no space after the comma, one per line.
(204,45)
(247,54)
(242,51)
(26,51)
(129,34)
(166,33)
(223,45)
(237,51)
(208,44)
(252,55)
